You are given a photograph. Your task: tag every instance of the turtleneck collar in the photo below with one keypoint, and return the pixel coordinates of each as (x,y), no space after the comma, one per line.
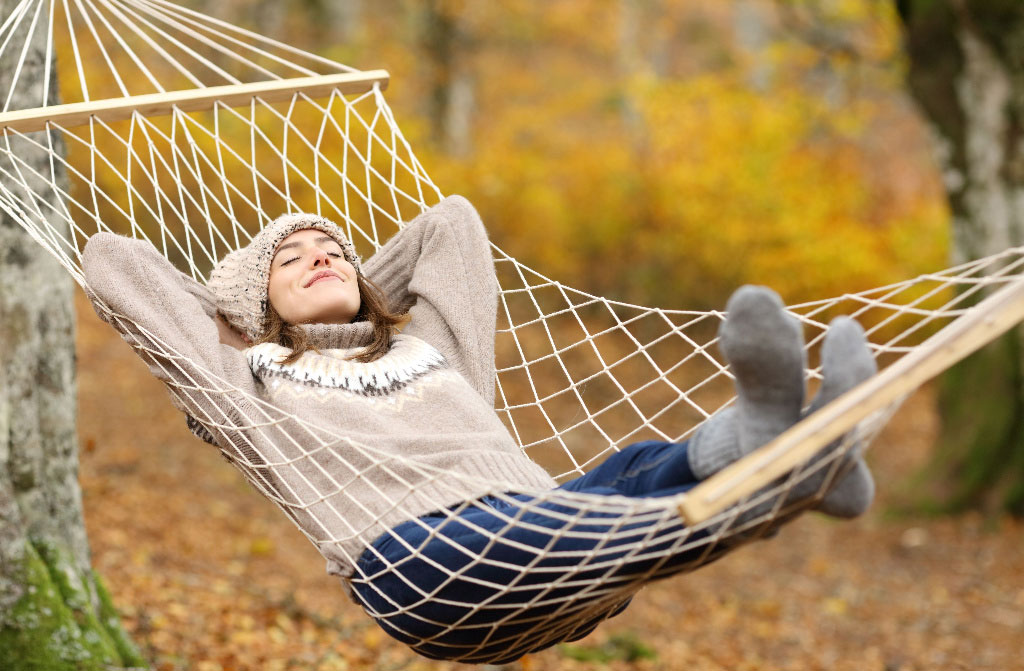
(339,336)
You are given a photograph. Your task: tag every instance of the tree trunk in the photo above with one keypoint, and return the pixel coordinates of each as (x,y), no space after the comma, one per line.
(445,39)
(966,72)
(54,612)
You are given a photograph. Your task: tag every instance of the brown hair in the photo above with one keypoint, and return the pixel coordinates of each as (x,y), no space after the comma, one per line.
(373,308)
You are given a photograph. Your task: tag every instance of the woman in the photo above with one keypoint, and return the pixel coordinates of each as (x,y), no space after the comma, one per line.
(385,449)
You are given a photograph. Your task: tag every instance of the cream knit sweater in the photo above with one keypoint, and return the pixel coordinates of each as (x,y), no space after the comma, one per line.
(347,449)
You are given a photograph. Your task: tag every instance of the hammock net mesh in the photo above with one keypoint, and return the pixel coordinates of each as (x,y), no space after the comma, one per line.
(578,376)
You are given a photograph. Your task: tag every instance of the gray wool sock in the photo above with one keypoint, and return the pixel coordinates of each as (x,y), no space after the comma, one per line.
(852,495)
(765,350)
(846,362)
(715,445)
(763,346)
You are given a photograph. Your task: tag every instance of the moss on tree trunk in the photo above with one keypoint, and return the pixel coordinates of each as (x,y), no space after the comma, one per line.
(980,453)
(54,625)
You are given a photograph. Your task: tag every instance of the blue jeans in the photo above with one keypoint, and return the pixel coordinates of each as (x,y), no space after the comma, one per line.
(493,581)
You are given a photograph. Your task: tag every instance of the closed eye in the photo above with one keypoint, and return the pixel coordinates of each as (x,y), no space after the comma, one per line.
(336,255)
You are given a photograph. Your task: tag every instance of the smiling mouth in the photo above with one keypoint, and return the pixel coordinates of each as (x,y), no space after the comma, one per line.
(323,275)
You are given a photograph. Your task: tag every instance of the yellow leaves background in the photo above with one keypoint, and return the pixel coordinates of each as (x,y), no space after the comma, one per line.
(657,151)
(673,187)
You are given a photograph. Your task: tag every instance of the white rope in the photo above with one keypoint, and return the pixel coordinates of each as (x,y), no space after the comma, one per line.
(271,44)
(165,35)
(21,59)
(76,51)
(126,47)
(136,25)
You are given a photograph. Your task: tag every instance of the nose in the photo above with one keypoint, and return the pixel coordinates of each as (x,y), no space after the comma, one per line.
(320,257)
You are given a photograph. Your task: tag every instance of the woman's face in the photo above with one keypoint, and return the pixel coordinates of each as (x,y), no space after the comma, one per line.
(311,282)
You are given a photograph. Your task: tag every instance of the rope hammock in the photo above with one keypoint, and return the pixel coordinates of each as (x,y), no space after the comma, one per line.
(193,134)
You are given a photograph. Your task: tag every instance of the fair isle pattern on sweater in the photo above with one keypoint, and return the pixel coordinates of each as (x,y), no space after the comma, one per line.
(417,392)
(408,360)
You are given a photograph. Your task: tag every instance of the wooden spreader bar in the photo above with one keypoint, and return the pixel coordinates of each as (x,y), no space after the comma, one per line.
(191,100)
(979,326)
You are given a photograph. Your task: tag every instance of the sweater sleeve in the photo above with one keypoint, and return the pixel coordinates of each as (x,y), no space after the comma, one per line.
(168,312)
(440,269)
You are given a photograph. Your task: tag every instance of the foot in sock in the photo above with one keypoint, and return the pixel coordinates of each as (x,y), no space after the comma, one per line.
(846,361)
(764,348)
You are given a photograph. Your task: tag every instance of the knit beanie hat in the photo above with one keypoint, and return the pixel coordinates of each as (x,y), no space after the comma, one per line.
(239,282)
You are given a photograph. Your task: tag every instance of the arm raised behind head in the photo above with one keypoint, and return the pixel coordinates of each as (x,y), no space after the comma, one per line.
(440,269)
(169,319)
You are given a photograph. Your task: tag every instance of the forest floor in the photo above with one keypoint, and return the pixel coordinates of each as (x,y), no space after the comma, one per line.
(209,576)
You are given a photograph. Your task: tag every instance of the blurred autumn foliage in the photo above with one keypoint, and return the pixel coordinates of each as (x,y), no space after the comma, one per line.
(656,151)
(673,169)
